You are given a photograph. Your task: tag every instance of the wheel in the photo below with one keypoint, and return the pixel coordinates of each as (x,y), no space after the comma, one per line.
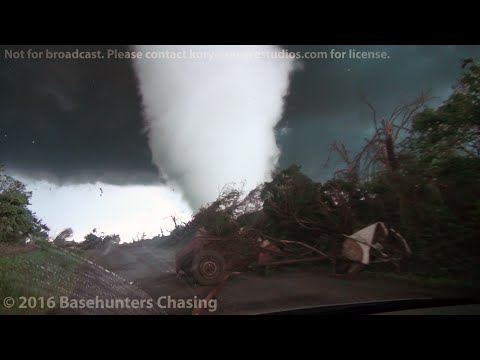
(208,267)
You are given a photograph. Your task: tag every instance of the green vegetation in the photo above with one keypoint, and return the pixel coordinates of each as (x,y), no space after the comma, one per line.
(43,273)
(17,222)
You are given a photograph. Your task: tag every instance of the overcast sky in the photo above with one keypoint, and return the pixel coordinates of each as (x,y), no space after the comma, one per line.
(135,130)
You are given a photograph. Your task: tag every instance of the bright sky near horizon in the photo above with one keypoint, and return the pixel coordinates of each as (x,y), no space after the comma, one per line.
(125,210)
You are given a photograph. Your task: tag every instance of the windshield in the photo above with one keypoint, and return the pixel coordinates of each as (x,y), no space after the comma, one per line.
(236,179)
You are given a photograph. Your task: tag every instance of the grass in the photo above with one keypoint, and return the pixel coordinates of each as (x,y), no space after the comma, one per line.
(43,273)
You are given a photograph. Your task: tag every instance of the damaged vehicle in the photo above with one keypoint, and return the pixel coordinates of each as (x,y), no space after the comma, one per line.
(209,259)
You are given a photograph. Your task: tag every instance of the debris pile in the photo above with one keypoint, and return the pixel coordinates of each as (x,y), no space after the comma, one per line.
(289,220)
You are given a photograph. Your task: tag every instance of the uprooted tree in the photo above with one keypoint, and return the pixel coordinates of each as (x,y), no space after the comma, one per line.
(289,209)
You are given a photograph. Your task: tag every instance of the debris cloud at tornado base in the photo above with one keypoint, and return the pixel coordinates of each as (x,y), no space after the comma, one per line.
(210,120)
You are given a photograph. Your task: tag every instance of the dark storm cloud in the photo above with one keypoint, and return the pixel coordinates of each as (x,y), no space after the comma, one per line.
(80,120)
(324,104)
(72,121)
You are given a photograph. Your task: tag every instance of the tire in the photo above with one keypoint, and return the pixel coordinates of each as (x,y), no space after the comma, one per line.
(208,267)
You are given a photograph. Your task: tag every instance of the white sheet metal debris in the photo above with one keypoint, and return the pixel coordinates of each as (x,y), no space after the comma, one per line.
(358,245)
